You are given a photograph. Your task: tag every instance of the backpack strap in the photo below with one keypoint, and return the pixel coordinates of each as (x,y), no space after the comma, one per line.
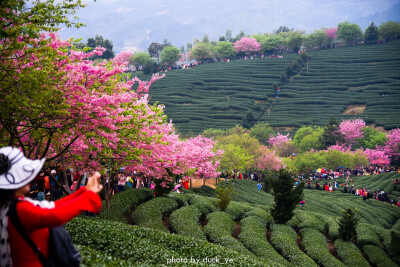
(12,213)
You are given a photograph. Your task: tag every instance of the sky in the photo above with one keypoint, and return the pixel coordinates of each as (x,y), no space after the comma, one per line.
(132,25)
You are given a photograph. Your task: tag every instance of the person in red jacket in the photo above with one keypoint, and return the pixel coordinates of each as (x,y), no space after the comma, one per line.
(16,174)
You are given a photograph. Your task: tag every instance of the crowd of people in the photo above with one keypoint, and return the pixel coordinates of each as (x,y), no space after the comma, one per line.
(44,187)
(331,184)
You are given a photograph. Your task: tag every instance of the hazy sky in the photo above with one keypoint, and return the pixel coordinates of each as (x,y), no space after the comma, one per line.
(133,24)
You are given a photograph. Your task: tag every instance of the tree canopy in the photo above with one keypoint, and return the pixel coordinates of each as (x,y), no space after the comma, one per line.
(349,32)
(201,51)
(169,56)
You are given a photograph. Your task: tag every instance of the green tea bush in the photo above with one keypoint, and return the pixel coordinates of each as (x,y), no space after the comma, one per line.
(150,214)
(181,199)
(205,191)
(396,226)
(350,254)
(367,236)
(122,202)
(309,220)
(93,257)
(332,225)
(378,257)
(263,215)
(185,221)
(146,247)
(219,230)
(283,238)
(219,224)
(395,246)
(204,204)
(236,210)
(253,237)
(316,247)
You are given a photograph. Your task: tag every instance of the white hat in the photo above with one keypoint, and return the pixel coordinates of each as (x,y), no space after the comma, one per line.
(16,170)
(53,172)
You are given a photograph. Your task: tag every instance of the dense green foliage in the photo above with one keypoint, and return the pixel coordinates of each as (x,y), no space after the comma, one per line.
(315,244)
(347,224)
(286,198)
(184,221)
(219,229)
(224,193)
(284,239)
(350,254)
(134,245)
(253,238)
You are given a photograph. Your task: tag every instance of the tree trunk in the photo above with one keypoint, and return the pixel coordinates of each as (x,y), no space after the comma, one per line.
(107,193)
(58,184)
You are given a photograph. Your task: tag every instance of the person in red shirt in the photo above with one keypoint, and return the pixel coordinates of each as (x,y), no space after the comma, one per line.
(185,184)
(16,174)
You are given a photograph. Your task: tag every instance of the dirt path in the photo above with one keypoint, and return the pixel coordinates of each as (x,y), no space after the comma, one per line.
(238,229)
(203,221)
(167,224)
(331,246)
(299,241)
(199,182)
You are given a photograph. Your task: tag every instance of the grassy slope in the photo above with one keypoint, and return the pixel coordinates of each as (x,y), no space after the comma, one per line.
(126,245)
(218,95)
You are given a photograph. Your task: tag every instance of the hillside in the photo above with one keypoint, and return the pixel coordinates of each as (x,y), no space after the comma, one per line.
(180,228)
(347,82)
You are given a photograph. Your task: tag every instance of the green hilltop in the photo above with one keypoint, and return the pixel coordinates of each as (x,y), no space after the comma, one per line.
(346,82)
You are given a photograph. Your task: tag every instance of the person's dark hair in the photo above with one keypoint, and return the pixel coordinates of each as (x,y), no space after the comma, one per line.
(5,195)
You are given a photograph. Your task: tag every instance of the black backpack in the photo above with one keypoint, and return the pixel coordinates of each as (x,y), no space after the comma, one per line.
(62,251)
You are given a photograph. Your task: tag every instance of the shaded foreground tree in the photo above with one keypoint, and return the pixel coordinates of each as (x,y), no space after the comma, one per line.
(285,196)
(348,224)
(224,194)
(371,35)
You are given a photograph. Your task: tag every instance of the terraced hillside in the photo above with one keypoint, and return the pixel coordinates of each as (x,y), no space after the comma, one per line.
(189,230)
(361,81)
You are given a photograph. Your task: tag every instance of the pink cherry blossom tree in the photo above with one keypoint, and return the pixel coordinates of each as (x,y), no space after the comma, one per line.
(282,144)
(247,45)
(279,140)
(351,130)
(392,145)
(341,148)
(331,33)
(123,57)
(377,157)
(265,159)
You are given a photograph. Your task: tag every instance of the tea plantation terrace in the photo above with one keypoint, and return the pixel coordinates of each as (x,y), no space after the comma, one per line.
(218,95)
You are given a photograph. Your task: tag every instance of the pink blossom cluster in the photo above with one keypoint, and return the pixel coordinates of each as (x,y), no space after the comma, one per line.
(341,148)
(331,33)
(247,45)
(377,157)
(351,129)
(392,145)
(265,159)
(279,140)
(123,57)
